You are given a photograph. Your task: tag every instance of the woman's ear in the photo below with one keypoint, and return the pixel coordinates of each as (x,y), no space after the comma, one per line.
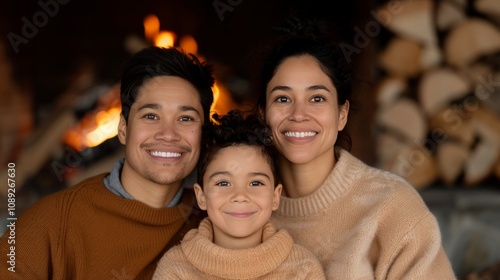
(343,114)
(200,197)
(122,130)
(277,196)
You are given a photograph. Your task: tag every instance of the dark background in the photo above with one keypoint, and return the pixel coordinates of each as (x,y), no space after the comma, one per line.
(92,33)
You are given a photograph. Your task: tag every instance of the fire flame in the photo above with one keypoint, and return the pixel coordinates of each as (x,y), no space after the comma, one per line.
(188,44)
(98,125)
(151,27)
(102,123)
(165,39)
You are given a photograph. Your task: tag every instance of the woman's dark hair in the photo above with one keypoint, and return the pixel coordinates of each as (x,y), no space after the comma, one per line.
(157,61)
(234,129)
(329,57)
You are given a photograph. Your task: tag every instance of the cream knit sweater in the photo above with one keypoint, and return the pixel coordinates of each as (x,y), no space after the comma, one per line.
(197,257)
(365,223)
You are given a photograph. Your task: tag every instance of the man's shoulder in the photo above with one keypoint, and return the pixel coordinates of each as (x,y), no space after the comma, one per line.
(54,201)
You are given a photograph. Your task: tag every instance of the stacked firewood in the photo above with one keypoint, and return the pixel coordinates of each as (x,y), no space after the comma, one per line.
(438,97)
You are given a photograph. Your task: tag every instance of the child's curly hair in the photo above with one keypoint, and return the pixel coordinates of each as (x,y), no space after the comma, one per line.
(234,129)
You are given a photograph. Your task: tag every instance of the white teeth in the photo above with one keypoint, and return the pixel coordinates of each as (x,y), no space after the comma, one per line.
(165,154)
(300,134)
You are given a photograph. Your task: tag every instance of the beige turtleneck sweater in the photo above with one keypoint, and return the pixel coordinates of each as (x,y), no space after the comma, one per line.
(277,257)
(365,223)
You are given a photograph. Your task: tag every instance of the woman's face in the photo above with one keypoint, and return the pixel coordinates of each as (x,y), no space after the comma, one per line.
(302,110)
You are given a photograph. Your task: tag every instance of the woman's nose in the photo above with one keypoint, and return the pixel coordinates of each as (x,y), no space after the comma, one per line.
(299,112)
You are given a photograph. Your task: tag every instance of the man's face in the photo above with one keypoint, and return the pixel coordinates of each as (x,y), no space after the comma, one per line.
(163,133)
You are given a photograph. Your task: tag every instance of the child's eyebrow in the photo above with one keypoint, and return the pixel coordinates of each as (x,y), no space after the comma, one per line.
(260,174)
(218,173)
(228,173)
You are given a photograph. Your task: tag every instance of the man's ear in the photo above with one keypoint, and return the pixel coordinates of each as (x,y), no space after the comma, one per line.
(200,197)
(122,130)
(277,196)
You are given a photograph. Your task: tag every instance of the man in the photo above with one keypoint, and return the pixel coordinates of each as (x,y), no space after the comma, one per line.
(117,225)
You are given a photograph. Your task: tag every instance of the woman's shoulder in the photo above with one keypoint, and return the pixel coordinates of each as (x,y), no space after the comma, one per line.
(370,179)
(369,172)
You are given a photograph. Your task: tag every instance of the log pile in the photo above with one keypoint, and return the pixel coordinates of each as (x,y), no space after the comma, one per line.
(438,96)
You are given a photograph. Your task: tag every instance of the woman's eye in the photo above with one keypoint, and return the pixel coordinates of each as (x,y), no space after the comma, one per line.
(282,99)
(318,99)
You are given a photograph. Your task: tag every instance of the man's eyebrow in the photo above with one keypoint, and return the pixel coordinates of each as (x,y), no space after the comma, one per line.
(185,108)
(155,106)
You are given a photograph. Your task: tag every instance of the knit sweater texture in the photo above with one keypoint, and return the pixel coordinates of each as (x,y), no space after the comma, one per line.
(366,223)
(87,232)
(277,257)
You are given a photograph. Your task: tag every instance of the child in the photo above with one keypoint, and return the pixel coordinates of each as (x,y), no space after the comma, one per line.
(238,188)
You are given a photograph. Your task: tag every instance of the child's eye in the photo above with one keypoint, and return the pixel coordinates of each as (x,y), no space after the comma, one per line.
(222,183)
(318,98)
(256,183)
(282,99)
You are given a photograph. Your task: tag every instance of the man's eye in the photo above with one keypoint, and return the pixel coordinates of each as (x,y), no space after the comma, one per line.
(186,118)
(150,117)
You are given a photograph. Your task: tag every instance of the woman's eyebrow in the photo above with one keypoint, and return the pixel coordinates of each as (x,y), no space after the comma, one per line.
(316,87)
(285,88)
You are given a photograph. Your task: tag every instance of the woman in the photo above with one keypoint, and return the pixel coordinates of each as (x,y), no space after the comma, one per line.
(361,222)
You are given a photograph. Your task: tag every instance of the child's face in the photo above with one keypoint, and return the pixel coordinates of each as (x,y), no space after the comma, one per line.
(239,196)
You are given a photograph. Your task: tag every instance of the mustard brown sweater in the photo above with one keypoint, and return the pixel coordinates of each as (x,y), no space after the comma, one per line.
(277,257)
(365,223)
(87,232)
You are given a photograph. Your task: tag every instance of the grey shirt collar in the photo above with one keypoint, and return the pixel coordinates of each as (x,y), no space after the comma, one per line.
(112,183)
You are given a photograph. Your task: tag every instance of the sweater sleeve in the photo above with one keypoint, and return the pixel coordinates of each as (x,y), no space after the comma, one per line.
(420,255)
(411,240)
(30,244)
